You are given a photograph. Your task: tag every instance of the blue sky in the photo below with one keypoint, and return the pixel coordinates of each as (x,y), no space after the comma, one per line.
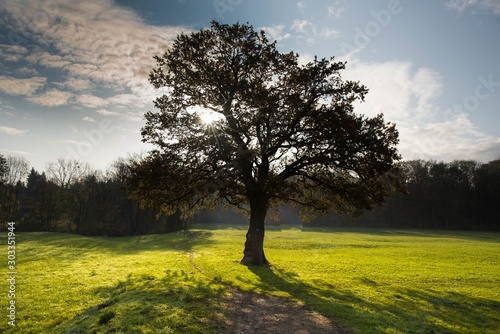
(73,74)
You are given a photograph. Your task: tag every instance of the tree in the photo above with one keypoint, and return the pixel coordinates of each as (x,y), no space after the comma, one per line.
(488,195)
(39,202)
(280,132)
(3,186)
(3,168)
(66,172)
(17,169)
(13,177)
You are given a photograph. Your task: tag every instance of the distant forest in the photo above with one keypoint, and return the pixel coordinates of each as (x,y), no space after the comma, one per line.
(72,197)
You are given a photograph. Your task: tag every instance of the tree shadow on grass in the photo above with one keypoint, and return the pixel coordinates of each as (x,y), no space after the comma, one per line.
(405,310)
(179,302)
(70,247)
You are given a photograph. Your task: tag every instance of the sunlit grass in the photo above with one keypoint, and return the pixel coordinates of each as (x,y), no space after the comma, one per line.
(74,284)
(372,281)
(375,281)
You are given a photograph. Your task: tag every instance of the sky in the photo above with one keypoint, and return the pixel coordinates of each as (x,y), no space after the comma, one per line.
(74,74)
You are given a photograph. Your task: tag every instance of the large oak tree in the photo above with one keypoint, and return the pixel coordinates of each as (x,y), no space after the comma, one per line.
(281,132)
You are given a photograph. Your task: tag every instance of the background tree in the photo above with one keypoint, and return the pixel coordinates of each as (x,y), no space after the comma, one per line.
(38,202)
(3,168)
(13,182)
(488,195)
(3,185)
(66,172)
(281,132)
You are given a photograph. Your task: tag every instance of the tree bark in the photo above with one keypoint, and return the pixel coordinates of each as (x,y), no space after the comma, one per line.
(253,254)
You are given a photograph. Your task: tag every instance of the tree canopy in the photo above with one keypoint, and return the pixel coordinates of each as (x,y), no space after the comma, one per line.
(280,132)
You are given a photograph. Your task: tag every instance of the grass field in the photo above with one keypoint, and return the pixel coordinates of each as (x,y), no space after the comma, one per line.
(368,280)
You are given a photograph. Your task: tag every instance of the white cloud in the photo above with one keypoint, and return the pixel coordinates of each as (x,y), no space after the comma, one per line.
(276,32)
(337,10)
(91,101)
(107,112)
(26,71)
(462,5)
(300,25)
(459,5)
(51,98)
(302,5)
(12,131)
(407,96)
(13,53)
(75,142)
(49,60)
(454,139)
(305,58)
(88,119)
(16,86)
(398,90)
(76,84)
(328,33)
(123,99)
(305,30)
(107,44)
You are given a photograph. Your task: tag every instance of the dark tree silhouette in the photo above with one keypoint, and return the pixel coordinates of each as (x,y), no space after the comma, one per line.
(282,133)
(3,168)
(488,195)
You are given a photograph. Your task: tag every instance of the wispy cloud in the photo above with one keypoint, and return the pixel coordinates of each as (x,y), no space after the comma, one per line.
(91,101)
(51,98)
(302,5)
(107,112)
(16,86)
(76,84)
(276,32)
(462,5)
(12,131)
(93,43)
(88,119)
(312,33)
(337,10)
(30,154)
(301,25)
(74,142)
(329,33)
(46,59)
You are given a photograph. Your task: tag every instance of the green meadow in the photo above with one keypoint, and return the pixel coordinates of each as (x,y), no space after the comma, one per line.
(367,280)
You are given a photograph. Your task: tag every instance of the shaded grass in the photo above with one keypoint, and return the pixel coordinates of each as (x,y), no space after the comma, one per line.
(370,280)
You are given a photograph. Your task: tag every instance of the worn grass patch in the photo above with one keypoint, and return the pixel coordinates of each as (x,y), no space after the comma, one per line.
(369,280)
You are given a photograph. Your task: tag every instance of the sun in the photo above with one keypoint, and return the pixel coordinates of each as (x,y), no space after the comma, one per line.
(208,117)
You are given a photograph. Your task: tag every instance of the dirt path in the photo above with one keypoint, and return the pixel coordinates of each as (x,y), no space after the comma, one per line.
(251,313)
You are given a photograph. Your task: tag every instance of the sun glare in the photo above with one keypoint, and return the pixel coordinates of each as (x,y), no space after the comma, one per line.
(208,117)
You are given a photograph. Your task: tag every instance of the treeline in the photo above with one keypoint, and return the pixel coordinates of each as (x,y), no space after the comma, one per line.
(459,195)
(72,197)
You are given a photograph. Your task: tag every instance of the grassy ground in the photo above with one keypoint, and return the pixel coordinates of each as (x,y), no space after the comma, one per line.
(372,281)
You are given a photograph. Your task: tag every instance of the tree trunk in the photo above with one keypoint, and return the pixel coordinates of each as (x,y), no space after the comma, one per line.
(253,254)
